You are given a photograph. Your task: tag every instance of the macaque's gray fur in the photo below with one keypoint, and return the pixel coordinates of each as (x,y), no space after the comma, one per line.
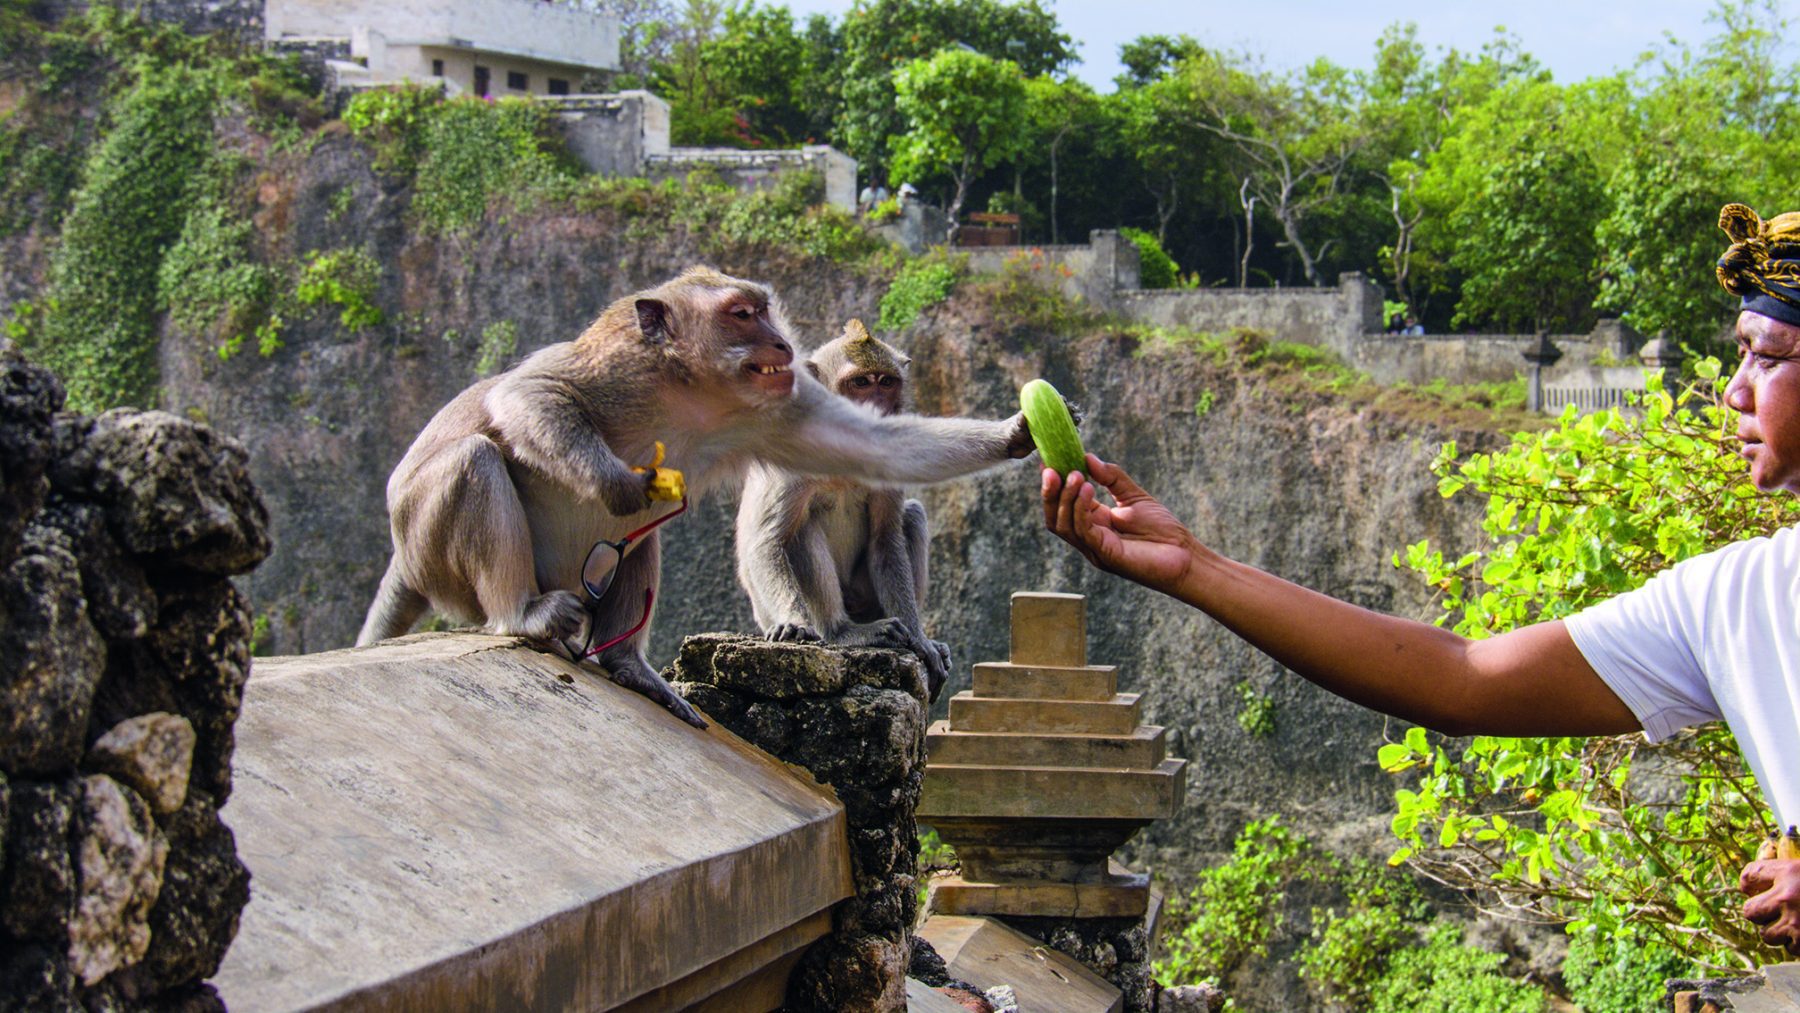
(836,559)
(495,506)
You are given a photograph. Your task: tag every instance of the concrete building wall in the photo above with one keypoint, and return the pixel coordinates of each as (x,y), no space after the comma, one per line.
(1334,318)
(399,39)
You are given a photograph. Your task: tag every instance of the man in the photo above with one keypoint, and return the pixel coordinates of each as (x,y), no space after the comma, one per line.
(1713,637)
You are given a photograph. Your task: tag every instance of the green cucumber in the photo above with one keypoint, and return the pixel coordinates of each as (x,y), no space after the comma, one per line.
(1052,427)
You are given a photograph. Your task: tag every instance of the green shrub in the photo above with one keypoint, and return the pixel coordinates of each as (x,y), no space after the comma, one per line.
(1232,909)
(1620,973)
(209,277)
(920,285)
(1575,514)
(101,303)
(347,279)
(1444,976)
(498,342)
(1256,712)
(1155,268)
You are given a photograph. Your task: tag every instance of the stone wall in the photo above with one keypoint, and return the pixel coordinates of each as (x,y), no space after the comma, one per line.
(241,19)
(856,720)
(123,652)
(1335,318)
(1098,273)
(612,135)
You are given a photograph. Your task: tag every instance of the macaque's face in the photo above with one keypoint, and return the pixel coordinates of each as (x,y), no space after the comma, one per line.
(878,388)
(1765,391)
(766,355)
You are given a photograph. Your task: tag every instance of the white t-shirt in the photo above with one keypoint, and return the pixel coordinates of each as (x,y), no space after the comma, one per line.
(1715,636)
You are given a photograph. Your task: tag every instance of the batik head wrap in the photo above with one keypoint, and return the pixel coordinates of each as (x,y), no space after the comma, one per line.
(1763,265)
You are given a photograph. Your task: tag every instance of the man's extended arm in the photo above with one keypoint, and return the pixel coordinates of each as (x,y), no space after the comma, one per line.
(1531,681)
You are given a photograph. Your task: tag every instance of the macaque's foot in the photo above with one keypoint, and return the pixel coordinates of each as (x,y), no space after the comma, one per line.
(794,632)
(636,675)
(936,656)
(559,615)
(880,633)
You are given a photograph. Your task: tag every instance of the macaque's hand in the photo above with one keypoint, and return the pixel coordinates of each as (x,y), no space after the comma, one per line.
(664,484)
(1773,886)
(1020,443)
(1137,537)
(627,495)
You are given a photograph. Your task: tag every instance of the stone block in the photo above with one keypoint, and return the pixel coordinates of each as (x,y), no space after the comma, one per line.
(151,753)
(1117,716)
(986,953)
(407,853)
(1049,628)
(1046,682)
(922,998)
(1122,894)
(1060,792)
(1141,749)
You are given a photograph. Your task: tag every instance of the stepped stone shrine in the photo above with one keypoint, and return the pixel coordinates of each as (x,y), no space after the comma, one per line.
(1042,770)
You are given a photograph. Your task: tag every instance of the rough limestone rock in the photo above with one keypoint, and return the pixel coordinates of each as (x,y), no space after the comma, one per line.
(1190,999)
(53,657)
(29,397)
(119,866)
(152,753)
(124,648)
(176,491)
(854,718)
(39,893)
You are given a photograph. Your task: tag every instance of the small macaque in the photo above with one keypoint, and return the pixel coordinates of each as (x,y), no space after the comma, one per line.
(836,559)
(529,503)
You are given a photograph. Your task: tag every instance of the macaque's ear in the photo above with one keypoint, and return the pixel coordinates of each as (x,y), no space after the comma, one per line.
(653,320)
(813,368)
(905,360)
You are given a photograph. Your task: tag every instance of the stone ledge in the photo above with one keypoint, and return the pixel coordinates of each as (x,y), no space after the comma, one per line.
(1142,749)
(454,821)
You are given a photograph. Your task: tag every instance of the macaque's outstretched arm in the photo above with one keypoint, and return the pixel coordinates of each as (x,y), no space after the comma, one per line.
(831,436)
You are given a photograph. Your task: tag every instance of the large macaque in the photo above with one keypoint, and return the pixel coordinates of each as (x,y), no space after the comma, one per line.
(505,493)
(835,559)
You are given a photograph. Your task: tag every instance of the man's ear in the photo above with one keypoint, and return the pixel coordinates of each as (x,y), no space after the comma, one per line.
(653,320)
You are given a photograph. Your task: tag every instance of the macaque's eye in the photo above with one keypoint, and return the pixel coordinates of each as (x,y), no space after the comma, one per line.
(889,381)
(742,312)
(860,381)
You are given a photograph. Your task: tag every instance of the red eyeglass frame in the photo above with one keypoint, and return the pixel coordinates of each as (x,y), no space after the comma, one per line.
(649,592)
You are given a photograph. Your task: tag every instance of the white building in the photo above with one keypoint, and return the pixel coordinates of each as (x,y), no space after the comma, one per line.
(479,47)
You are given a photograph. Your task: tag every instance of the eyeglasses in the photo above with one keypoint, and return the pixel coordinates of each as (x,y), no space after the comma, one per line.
(602,564)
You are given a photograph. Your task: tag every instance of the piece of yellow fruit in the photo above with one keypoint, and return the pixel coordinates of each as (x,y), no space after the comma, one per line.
(666,484)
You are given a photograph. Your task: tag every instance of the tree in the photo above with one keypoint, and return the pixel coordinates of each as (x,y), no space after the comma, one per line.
(1526,239)
(1293,136)
(965,112)
(1056,110)
(880,36)
(1174,152)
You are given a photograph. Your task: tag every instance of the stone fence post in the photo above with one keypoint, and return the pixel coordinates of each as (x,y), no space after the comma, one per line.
(856,720)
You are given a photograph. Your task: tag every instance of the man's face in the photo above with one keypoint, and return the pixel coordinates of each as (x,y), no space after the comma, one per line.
(1765,391)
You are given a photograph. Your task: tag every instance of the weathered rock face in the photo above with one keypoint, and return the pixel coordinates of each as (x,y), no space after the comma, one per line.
(856,720)
(123,651)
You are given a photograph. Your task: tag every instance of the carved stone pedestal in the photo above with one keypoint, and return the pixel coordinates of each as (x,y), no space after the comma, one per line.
(1041,772)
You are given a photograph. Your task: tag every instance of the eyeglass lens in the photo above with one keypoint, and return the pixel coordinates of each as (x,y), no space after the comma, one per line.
(597,572)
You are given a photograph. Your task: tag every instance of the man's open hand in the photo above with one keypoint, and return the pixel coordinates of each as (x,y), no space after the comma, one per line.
(1773,886)
(1136,537)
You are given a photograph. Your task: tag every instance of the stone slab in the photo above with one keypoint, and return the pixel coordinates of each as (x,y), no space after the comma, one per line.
(1053,792)
(1124,894)
(1046,682)
(1049,628)
(985,953)
(1117,716)
(458,822)
(1142,749)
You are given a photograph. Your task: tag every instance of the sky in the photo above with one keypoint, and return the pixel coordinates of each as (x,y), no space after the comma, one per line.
(1575,39)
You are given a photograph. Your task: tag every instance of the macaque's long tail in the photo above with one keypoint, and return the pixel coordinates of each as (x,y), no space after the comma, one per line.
(395,609)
